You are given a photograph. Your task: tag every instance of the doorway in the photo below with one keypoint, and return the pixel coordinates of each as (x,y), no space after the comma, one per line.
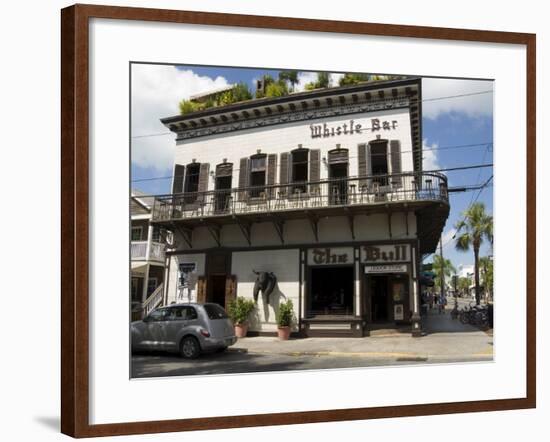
(223,193)
(378,287)
(338,174)
(331,291)
(217,289)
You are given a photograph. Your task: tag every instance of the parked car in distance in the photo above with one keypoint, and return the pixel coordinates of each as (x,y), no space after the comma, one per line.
(188,329)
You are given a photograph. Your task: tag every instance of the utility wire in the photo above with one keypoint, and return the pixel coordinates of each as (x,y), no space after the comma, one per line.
(449,169)
(386,100)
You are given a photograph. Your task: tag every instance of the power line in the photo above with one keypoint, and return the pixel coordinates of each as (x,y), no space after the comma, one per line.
(382,101)
(449,169)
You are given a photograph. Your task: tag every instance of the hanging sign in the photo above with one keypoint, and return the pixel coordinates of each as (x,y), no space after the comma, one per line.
(386,268)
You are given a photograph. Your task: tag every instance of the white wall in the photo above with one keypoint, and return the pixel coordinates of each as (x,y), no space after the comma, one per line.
(286,137)
(173,291)
(299,231)
(285,265)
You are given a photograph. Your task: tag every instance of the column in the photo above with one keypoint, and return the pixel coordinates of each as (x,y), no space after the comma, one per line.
(415,319)
(358,276)
(149,240)
(145,283)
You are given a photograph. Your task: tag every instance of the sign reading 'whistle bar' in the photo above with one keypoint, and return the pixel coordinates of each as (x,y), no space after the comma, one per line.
(350,128)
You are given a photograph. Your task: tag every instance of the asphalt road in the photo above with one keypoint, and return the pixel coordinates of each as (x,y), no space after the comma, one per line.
(161,364)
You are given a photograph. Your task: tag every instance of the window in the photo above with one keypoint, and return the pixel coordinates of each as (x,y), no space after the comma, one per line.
(299,170)
(151,285)
(192,182)
(258,174)
(379,161)
(136,233)
(157,234)
(214,311)
(185,313)
(158,315)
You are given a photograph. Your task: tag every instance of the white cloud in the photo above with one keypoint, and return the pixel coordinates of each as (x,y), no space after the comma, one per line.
(303,79)
(472,105)
(335,79)
(156,92)
(430,160)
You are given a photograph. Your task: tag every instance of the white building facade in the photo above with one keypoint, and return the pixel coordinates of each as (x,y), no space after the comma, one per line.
(323,190)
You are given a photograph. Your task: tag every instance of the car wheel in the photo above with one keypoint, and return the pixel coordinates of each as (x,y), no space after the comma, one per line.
(190,348)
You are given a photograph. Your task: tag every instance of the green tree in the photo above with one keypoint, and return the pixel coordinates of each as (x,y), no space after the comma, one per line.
(322,81)
(349,79)
(290,77)
(442,268)
(276,89)
(475,227)
(486,267)
(463,284)
(187,106)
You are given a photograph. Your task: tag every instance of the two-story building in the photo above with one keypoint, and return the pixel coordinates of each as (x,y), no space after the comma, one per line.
(147,253)
(324,190)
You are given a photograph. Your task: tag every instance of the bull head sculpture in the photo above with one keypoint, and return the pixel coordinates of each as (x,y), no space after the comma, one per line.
(265,283)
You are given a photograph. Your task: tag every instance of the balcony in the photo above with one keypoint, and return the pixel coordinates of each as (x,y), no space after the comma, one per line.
(139,251)
(379,190)
(422,192)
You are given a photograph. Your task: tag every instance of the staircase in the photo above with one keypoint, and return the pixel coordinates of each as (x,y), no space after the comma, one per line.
(151,303)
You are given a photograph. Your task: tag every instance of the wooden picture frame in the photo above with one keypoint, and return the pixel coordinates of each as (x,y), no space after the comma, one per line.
(75,219)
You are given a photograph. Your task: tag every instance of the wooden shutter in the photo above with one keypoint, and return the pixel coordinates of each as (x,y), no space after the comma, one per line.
(362,162)
(201,289)
(314,169)
(243,178)
(284,172)
(395,158)
(177,183)
(230,289)
(271,170)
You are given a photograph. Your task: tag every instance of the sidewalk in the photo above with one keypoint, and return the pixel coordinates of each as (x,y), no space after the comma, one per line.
(444,339)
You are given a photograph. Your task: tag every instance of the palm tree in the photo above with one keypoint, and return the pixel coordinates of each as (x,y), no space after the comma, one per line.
(476,225)
(442,268)
(486,266)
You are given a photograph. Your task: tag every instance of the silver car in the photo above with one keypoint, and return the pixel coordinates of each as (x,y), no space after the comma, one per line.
(185,328)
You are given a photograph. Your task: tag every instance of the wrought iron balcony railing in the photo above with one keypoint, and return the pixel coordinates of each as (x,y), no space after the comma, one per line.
(331,193)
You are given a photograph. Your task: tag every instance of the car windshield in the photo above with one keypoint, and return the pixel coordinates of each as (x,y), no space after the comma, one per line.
(214,311)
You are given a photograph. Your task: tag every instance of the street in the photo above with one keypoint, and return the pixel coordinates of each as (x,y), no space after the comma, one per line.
(445,341)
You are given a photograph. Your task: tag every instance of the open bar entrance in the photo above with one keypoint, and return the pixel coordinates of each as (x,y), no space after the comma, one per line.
(387,298)
(331,291)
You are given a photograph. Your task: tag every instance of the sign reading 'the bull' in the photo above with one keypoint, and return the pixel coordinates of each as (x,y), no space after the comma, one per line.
(386,253)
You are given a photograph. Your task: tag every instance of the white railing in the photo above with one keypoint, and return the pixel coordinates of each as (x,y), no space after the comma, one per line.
(341,192)
(139,251)
(153,301)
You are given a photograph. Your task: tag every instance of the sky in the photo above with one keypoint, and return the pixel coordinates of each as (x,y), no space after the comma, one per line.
(457,120)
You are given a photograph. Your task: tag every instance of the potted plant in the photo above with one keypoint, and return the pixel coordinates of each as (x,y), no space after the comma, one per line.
(284,319)
(239,310)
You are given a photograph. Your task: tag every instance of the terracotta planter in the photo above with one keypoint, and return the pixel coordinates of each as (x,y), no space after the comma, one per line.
(283,333)
(241,330)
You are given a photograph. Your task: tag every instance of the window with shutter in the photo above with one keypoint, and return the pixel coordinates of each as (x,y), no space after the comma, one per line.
(362,165)
(271,170)
(177,183)
(243,178)
(378,153)
(283,173)
(203,181)
(395,152)
(315,170)
(258,175)
(299,170)
(192,177)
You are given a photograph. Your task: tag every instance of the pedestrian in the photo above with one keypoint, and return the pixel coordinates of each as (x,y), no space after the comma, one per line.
(431,300)
(442,303)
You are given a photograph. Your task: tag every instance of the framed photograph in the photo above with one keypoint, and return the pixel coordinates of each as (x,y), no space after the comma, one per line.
(255,207)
